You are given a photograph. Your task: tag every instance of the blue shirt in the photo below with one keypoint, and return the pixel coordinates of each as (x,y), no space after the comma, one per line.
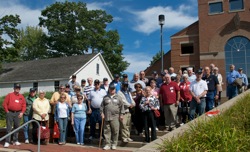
(244,79)
(231,76)
(79,112)
(118,85)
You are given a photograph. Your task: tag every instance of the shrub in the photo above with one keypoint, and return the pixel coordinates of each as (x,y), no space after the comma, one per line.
(228,132)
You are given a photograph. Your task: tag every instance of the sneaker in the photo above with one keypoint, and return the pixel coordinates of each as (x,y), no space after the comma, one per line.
(113,147)
(181,124)
(129,139)
(125,140)
(17,143)
(149,129)
(27,141)
(156,129)
(141,134)
(91,137)
(6,145)
(106,147)
(78,143)
(82,144)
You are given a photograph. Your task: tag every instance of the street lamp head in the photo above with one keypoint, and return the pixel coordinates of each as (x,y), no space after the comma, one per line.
(161,19)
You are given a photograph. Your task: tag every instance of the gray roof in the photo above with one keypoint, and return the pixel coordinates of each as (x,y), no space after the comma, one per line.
(44,69)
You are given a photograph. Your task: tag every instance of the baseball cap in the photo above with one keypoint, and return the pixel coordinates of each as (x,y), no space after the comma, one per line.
(154,72)
(240,69)
(125,83)
(112,86)
(105,79)
(199,71)
(163,73)
(83,80)
(116,76)
(96,81)
(73,76)
(32,89)
(67,85)
(124,75)
(17,85)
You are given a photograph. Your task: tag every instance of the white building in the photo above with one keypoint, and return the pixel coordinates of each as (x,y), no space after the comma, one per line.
(48,74)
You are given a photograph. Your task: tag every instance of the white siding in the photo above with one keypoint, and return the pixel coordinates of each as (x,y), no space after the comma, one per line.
(25,87)
(90,71)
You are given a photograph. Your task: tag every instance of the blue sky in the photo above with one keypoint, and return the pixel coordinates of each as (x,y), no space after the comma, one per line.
(135,20)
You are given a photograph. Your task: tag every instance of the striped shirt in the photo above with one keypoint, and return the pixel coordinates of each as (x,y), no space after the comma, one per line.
(87,90)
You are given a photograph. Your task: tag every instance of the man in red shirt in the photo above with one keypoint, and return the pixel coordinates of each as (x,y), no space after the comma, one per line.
(169,99)
(14,105)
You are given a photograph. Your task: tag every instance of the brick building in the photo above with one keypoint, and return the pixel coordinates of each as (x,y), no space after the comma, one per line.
(220,36)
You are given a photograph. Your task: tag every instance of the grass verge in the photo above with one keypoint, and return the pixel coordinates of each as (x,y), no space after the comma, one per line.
(229,132)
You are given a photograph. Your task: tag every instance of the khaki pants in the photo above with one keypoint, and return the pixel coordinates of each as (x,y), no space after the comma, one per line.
(170,113)
(125,125)
(111,131)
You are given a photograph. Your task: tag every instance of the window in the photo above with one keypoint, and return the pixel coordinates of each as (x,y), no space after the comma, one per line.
(187,48)
(56,85)
(215,8)
(237,52)
(236,5)
(97,68)
(35,85)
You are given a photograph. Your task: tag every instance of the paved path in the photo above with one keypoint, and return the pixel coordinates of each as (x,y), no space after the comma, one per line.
(57,148)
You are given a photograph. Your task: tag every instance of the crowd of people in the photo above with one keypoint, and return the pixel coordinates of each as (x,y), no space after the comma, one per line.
(167,99)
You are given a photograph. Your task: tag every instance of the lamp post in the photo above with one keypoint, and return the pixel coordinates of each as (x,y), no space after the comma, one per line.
(161,23)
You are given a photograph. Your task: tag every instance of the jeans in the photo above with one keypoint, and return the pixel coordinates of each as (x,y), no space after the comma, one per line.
(210,100)
(232,91)
(26,118)
(200,107)
(10,118)
(79,126)
(62,124)
(95,118)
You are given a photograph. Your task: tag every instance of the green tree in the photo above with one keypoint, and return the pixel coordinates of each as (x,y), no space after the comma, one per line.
(156,57)
(8,37)
(74,30)
(32,43)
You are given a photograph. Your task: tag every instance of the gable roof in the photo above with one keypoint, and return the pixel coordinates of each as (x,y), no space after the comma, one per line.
(44,69)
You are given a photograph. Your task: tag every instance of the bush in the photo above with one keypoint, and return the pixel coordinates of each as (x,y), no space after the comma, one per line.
(2,112)
(229,131)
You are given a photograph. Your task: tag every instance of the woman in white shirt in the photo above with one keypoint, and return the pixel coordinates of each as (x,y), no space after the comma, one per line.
(61,117)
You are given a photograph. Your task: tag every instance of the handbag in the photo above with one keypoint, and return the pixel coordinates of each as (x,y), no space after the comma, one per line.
(238,82)
(56,132)
(44,131)
(157,113)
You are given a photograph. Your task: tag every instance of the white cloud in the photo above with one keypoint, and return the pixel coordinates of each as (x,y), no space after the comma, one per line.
(97,5)
(137,44)
(29,17)
(138,62)
(147,20)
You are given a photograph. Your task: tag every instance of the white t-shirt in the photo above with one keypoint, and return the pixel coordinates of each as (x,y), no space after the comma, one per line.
(62,107)
(96,97)
(198,87)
